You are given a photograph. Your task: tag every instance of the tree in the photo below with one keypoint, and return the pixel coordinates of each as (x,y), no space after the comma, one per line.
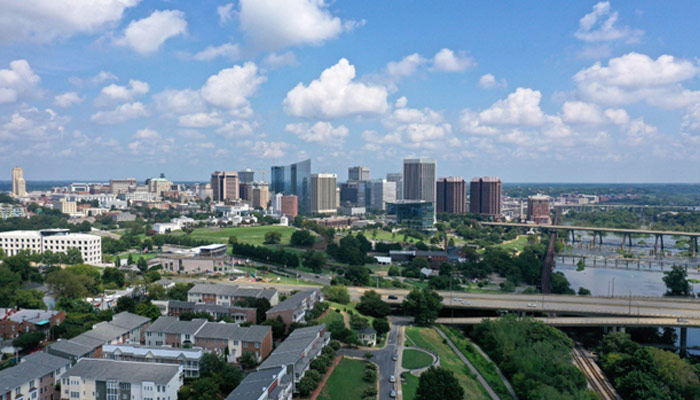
(30,298)
(73,256)
(130,259)
(209,363)
(358,275)
(148,310)
(273,237)
(277,326)
(423,304)
(306,385)
(142,265)
(113,275)
(228,378)
(179,291)
(204,389)
(248,360)
(156,291)
(338,294)
(381,325)
(66,284)
(126,303)
(232,240)
(152,276)
(260,304)
(314,260)
(29,341)
(561,285)
(371,303)
(676,281)
(438,384)
(302,238)
(582,291)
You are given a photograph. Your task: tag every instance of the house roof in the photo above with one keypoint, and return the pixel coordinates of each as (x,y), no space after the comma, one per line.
(291,350)
(252,386)
(71,348)
(123,371)
(367,330)
(31,367)
(129,321)
(293,302)
(231,290)
(218,330)
(157,351)
(173,325)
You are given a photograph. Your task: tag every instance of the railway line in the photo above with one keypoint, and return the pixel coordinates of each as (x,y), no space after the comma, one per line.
(595,377)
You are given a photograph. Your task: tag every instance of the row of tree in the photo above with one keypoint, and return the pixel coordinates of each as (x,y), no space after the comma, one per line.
(265,254)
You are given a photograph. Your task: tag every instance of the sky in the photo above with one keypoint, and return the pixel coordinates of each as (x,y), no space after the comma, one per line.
(546,91)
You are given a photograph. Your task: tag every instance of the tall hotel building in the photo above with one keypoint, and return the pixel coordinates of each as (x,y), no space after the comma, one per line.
(485,196)
(324,193)
(293,179)
(419,179)
(224,186)
(451,195)
(19,185)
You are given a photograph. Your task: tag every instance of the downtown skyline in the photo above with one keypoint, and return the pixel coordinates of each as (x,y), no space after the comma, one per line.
(553,92)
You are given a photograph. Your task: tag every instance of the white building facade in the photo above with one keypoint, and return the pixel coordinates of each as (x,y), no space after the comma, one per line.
(56,240)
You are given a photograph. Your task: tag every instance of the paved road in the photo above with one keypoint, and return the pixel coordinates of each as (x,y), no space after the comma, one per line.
(383,358)
(564,322)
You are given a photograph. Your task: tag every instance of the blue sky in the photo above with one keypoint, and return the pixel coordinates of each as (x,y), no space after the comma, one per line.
(547,91)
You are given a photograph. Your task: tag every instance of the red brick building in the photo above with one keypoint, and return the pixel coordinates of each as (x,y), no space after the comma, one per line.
(14,323)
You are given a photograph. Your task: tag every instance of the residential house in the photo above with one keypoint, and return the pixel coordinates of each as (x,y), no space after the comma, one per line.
(15,322)
(294,308)
(34,378)
(267,384)
(187,358)
(228,294)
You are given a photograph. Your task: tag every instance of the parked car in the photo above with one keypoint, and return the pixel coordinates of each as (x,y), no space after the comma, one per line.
(395,357)
(392,297)
(392,394)
(392,379)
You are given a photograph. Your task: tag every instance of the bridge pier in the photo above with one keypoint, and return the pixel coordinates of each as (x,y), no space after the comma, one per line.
(693,246)
(684,342)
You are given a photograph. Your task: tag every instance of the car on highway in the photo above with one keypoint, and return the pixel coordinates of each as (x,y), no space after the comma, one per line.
(532,305)
(392,379)
(392,297)
(317,277)
(682,320)
(392,394)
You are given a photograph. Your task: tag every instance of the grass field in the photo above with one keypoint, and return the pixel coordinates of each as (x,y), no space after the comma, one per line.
(135,256)
(413,359)
(245,234)
(518,244)
(345,383)
(409,388)
(331,316)
(428,338)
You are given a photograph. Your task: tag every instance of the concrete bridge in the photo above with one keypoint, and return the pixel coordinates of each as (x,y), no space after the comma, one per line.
(636,264)
(574,322)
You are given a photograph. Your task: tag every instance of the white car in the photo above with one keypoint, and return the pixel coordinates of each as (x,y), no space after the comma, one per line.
(532,305)
(392,379)
(392,394)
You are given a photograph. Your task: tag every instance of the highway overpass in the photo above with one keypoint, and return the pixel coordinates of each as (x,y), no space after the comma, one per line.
(575,322)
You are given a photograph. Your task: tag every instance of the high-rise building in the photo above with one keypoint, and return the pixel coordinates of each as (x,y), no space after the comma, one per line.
(381,192)
(451,195)
(19,185)
(358,174)
(415,214)
(259,195)
(224,186)
(538,209)
(354,193)
(324,193)
(294,179)
(118,186)
(289,205)
(419,179)
(485,196)
(246,176)
(396,177)
(65,206)
(159,185)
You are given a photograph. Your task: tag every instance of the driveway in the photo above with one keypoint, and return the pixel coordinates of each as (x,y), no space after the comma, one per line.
(382,357)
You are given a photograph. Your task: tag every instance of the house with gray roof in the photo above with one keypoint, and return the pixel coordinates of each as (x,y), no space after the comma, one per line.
(267,384)
(35,377)
(121,380)
(221,294)
(187,358)
(294,308)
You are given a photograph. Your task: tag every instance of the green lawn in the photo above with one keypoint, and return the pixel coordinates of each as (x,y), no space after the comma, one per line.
(413,359)
(517,244)
(136,256)
(331,316)
(428,338)
(409,388)
(245,234)
(345,383)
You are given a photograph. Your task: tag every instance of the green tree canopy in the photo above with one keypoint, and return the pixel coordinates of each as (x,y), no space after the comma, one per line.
(423,304)
(438,384)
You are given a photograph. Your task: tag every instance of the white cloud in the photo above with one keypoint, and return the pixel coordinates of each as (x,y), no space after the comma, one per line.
(407,66)
(192,134)
(578,112)
(264,149)
(600,26)
(148,34)
(488,81)
(146,134)
(122,113)
(446,60)
(231,87)
(225,12)
(18,82)
(335,95)
(691,120)
(101,77)
(67,99)
(45,20)
(417,127)
(276,24)
(200,120)
(33,124)
(117,94)
(617,116)
(237,129)
(275,60)
(635,77)
(320,132)
(521,107)
(171,101)
(226,50)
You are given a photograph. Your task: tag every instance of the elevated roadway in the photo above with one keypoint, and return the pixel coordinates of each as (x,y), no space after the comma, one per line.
(593,229)
(575,322)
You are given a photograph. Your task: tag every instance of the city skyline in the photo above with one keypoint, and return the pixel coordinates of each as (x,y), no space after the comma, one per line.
(598,92)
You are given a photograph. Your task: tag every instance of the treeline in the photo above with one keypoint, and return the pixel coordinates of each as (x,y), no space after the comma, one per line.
(265,254)
(351,250)
(644,372)
(130,240)
(536,358)
(47,219)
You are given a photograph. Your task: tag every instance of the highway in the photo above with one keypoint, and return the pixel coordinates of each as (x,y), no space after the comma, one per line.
(574,322)
(594,229)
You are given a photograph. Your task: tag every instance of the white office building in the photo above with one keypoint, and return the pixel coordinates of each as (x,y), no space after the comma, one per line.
(56,240)
(381,192)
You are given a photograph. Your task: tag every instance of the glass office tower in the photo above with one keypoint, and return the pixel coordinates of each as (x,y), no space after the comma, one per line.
(294,179)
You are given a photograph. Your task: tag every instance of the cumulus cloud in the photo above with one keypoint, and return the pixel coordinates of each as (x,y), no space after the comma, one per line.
(334,95)
(99,78)
(407,66)
(272,24)
(320,132)
(237,129)
(635,77)
(231,87)
(171,101)
(418,128)
(226,50)
(45,20)
(118,94)
(33,124)
(225,12)
(600,26)
(578,112)
(200,120)
(275,60)
(268,149)
(148,34)
(120,114)
(488,81)
(18,82)
(691,120)
(67,99)
(447,60)
(521,107)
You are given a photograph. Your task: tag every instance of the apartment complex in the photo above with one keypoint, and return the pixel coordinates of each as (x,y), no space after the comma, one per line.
(14,322)
(19,185)
(289,206)
(323,193)
(419,179)
(102,379)
(228,294)
(266,384)
(35,378)
(451,195)
(538,209)
(188,359)
(56,240)
(485,196)
(294,308)
(224,186)
(11,211)
(174,308)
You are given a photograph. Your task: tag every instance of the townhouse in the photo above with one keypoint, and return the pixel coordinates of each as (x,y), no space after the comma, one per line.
(228,294)
(187,358)
(34,378)
(268,384)
(237,314)
(15,322)
(294,308)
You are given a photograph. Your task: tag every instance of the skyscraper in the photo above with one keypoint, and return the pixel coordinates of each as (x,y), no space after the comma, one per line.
(538,209)
(246,176)
(19,185)
(419,179)
(451,195)
(485,196)
(224,185)
(323,193)
(381,192)
(358,174)
(294,179)
(398,178)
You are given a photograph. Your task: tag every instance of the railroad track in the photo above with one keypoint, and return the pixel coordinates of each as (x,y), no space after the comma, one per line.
(594,375)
